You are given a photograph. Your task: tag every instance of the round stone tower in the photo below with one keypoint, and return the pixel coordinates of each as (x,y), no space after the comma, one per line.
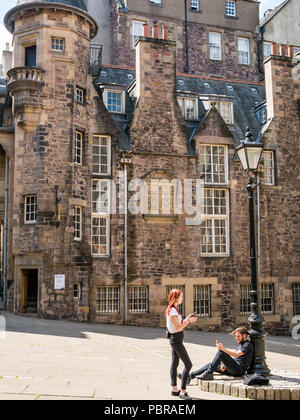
(50,83)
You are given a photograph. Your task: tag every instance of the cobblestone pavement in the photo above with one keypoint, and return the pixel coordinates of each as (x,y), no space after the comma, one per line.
(42,359)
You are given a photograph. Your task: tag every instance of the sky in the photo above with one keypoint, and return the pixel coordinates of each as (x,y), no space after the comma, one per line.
(6,5)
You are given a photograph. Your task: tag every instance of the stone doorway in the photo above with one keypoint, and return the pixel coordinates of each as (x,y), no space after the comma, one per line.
(29,291)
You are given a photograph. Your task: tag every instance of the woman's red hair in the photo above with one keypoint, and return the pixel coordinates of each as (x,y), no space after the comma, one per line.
(173,296)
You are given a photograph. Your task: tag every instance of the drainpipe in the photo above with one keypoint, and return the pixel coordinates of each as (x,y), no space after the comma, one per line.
(5,233)
(125,161)
(186,39)
(258,227)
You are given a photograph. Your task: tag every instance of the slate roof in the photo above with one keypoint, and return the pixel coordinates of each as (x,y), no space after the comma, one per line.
(75,3)
(268,16)
(246,98)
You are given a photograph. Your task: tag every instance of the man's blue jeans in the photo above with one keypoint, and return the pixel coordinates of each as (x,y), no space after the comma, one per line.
(232,367)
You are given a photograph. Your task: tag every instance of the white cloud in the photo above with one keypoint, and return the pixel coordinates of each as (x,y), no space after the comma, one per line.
(5,37)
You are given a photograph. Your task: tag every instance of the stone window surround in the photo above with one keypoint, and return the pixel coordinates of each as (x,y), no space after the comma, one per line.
(78,219)
(135,298)
(109,155)
(116,299)
(78,151)
(214,31)
(101,215)
(80,92)
(59,39)
(22,42)
(30,222)
(238,36)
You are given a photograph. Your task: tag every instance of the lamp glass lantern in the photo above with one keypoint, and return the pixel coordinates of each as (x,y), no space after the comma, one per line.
(249,153)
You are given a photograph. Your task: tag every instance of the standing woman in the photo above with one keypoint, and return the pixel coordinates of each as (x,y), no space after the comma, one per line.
(175,327)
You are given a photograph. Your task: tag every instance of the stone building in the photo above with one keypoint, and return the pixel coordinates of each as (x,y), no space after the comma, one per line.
(76,148)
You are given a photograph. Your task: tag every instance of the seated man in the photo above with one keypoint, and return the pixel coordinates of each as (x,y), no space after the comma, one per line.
(231,363)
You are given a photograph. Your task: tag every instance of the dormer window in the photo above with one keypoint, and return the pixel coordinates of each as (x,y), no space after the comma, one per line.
(195,4)
(155,1)
(230,8)
(225,108)
(114,100)
(189,107)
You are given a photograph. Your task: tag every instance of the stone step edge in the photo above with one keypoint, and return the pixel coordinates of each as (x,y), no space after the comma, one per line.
(251,392)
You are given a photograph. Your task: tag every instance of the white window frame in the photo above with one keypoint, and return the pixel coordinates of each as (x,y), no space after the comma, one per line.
(267,49)
(267,292)
(138,299)
(100,213)
(78,147)
(99,145)
(207,158)
(230,8)
(269,167)
(155,1)
(77,223)
(226,111)
(57,43)
(122,101)
(214,218)
(29,221)
(202,293)
(80,93)
(244,55)
(137,33)
(215,48)
(110,298)
(195,4)
(183,102)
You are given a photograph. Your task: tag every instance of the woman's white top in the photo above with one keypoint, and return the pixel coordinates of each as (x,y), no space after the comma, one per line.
(170,326)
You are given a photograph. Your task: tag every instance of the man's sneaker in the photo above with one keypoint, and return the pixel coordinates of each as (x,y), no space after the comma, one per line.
(179,375)
(206,376)
(185,396)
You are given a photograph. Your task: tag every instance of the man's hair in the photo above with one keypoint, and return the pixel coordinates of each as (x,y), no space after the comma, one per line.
(242,330)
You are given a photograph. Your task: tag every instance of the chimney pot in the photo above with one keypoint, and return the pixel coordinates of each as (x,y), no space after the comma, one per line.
(274,48)
(146,30)
(166,32)
(155,31)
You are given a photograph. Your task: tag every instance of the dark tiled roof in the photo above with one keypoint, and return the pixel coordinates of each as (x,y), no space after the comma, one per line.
(75,3)
(245,96)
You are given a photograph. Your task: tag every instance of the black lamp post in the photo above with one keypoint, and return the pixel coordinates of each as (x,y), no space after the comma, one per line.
(249,154)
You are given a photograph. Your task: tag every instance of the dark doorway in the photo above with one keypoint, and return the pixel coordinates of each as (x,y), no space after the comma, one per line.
(30,56)
(29,293)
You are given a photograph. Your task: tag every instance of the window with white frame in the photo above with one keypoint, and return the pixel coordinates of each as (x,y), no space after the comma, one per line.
(245,299)
(137,31)
(202,300)
(226,111)
(214,229)
(267,49)
(230,8)
(30,209)
(181,307)
(269,167)
(114,101)
(138,299)
(296,298)
(155,1)
(214,164)
(189,107)
(80,95)
(267,298)
(100,217)
(77,223)
(195,4)
(215,46)
(244,50)
(108,300)
(78,149)
(57,44)
(101,159)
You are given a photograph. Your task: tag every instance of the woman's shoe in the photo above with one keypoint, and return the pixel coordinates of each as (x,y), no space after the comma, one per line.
(185,396)
(175,393)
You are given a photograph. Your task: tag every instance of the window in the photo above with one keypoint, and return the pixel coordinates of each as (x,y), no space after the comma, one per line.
(296,298)
(77,291)
(245,300)
(202,300)
(78,147)
(181,307)
(269,168)
(267,298)
(161,194)
(80,95)
(195,4)
(57,44)
(100,217)
(214,229)
(30,56)
(77,223)
(137,31)
(214,164)
(189,108)
(263,116)
(108,300)
(30,209)
(267,49)
(155,1)
(226,111)
(114,101)
(244,51)
(101,155)
(295,50)
(138,299)
(230,8)
(215,48)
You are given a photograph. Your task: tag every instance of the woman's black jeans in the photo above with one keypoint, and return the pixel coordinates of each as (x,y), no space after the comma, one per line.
(179,352)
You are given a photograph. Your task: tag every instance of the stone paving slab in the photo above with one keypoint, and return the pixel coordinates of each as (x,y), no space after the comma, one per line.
(283,385)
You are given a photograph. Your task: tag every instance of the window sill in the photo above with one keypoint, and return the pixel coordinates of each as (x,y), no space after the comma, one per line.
(160,218)
(214,255)
(231,17)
